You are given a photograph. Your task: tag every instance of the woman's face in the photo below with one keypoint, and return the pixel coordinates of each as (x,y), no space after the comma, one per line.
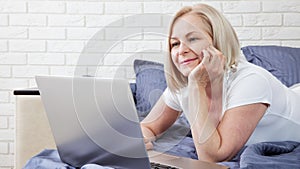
(189,37)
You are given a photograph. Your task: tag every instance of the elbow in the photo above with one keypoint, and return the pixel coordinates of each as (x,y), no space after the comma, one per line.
(212,159)
(209,158)
(215,157)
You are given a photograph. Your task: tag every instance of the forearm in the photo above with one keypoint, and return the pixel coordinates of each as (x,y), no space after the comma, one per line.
(205,109)
(147,132)
(159,119)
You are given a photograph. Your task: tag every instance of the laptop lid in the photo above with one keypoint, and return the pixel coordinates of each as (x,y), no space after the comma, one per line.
(93,120)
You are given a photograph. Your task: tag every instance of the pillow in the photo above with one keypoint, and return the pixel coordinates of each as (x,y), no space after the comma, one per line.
(282,62)
(150,84)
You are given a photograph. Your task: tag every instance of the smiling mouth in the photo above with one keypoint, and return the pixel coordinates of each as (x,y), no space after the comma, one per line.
(188,61)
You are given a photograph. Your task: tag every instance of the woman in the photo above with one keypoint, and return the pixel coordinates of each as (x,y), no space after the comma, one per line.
(228,102)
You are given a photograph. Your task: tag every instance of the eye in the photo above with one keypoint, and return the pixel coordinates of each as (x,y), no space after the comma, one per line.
(193,39)
(174,44)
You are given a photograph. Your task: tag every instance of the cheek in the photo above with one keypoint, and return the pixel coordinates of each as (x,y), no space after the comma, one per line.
(198,47)
(174,56)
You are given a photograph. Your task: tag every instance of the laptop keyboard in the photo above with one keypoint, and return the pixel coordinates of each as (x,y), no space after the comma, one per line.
(161,166)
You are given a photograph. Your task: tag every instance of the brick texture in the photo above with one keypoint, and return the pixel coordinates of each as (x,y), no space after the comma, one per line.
(49,37)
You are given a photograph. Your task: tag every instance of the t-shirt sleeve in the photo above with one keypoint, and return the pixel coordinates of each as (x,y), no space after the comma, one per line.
(249,89)
(171,100)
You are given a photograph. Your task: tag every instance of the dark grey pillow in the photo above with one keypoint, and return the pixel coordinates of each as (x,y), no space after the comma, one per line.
(282,62)
(150,84)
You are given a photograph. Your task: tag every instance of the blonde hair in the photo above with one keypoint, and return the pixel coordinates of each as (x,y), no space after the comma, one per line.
(223,37)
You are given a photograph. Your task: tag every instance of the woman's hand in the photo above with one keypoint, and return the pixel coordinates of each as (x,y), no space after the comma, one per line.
(211,69)
(148,137)
(148,144)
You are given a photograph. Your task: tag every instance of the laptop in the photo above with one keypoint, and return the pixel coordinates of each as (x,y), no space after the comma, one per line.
(94,120)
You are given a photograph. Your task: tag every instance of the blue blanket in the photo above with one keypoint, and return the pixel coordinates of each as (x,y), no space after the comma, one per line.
(49,159)
(266,155)
(284,155)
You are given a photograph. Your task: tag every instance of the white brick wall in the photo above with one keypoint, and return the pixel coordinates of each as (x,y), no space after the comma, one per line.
(8,58)
(27,45)
(123,7)
(46,33)
(47,37)
(3,46)
(3,20)
(12,7)
(85,8)
(241,7)
(13,33)
(47,7)
(27,19)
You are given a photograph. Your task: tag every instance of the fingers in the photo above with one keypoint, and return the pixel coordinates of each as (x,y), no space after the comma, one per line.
(206,57)
(212,49)
(215,56)
(149,145)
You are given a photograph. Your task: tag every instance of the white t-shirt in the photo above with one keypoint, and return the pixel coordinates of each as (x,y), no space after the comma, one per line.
(253,84)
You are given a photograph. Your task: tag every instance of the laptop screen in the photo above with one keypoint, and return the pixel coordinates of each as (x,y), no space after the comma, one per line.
(93,120)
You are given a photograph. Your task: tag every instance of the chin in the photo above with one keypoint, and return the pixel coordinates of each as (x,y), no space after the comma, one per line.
(185,72)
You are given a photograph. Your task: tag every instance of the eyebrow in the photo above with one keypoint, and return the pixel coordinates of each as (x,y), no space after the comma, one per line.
(188,34)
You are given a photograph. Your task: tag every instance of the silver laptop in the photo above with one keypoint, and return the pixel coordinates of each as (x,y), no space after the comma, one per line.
(94,120)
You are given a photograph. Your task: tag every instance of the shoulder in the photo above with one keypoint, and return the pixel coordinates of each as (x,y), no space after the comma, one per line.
(250,84)
(172,99)
(250,73)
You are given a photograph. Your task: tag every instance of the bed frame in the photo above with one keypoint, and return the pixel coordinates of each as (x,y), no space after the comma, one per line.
(33,133)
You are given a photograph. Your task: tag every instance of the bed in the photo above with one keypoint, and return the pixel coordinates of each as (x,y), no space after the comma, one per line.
(35,146)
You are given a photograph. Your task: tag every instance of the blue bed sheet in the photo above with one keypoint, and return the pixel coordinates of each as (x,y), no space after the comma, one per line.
(49,159)
(178,141)
(270,155)
(266,155)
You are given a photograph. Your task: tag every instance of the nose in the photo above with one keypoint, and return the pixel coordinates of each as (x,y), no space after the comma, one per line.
(183,48)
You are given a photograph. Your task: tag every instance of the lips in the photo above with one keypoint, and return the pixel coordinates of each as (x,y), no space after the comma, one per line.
(187,61)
